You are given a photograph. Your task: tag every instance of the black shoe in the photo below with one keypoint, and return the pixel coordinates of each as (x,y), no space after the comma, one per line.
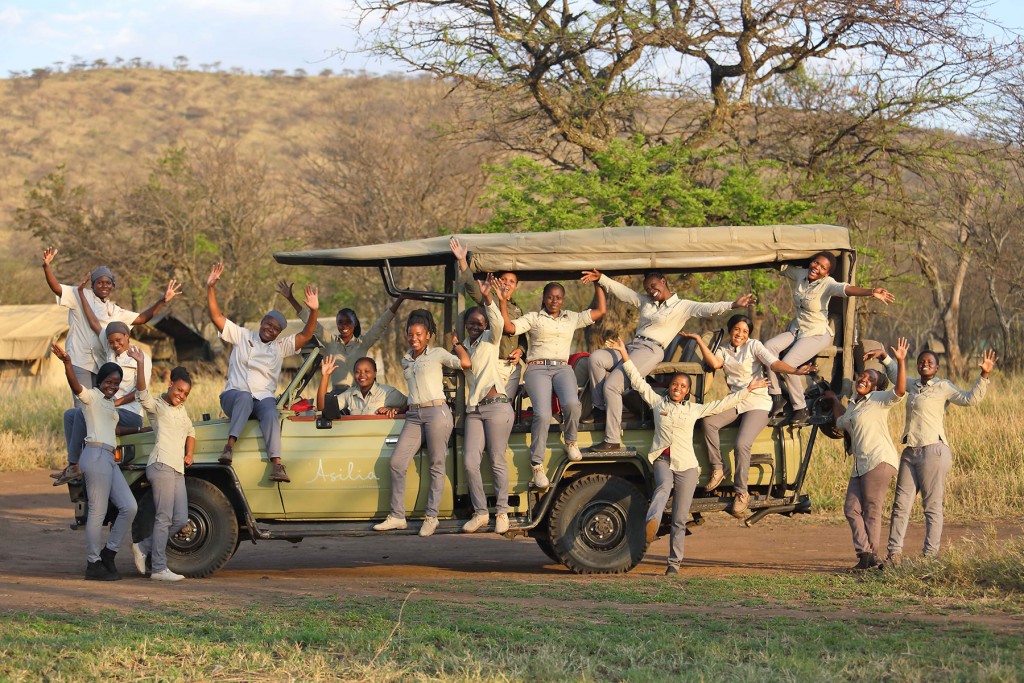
(865,561)
(671,571)
(778,406)
(95,571)
(596,415)
(799,417)
(605,447)
(107,558)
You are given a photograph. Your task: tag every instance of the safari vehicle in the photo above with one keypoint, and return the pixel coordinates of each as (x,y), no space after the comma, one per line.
(591,518)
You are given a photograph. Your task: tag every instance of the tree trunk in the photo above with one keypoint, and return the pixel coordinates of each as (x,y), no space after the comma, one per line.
(947,305)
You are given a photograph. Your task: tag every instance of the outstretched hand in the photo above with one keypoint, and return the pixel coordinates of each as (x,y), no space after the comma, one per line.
(284,288)
(590,275)
(988,362)
(883,295)
(327,365)
(745,300)
(312,297)
(876,354)
(806,369)
(48,254)
(615,344)
(899,352)
(61,354)
(458,248)
(216,270)
(135,353)
(173,290)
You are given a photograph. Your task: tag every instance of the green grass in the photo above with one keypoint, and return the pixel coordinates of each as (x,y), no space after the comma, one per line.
(349,638)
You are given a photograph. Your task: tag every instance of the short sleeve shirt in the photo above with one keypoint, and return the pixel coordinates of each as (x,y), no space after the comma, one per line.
(255,365)
(424,374)
(83,345)
(100,417)
(810,299)
(550,338)
(741,365)
(172,426)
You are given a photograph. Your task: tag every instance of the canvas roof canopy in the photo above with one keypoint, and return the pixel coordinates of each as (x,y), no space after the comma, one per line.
(617,250)
(26,332)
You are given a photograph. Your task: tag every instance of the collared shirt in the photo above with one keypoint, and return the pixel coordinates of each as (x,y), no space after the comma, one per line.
(810,299)
(550,337)
(347,353)
(353,400)
(867,423)
(509,342)
(84,347)
(743,364)
(488,370)
(172,426)
(255,365)
(100,416)
(673,422)
(129,375)
(662,320)
(926,405)
(424,374)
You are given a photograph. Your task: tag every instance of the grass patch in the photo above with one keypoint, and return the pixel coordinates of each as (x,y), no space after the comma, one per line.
(350,638)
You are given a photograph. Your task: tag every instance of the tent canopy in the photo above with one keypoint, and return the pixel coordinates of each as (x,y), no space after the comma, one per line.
(26,332)
(615,250)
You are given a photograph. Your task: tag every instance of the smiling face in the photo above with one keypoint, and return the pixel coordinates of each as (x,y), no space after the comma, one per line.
(118,342)
(476,323)
(510,280)
(678,387)
(346,326)
(177,392)
(927,365)
(417,337)
(270,329)
(865,383)
(110,384)
(554,297)
(102,287)
(364,375)
(657,288)
(739,334)
(820,267)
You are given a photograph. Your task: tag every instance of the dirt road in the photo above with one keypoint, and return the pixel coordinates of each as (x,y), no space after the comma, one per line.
(42,559)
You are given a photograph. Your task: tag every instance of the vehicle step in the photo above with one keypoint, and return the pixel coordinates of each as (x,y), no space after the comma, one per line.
(310,529)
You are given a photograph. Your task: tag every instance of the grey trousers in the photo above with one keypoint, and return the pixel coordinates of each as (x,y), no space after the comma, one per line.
(805,349)
(171,503)
(104,483)
(85,378)
(240,405)
(921,469)
(865,497)
(685,483)
(751,424)
(540,381)
(608,380)
(512,387)
(489,426)
(434,425)
(75,429)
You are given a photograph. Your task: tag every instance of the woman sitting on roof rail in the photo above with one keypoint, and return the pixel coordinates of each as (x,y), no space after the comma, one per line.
(428,417)
(550,333)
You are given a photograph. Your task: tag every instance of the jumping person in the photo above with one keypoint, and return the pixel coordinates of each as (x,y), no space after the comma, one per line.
(866,423)
(367,397)
(253,370)
(741,359)
(511,347)
(489,415)
(104,482)
(550,333)
(165,471)
(428,418)
(927,458)
(662,315)
(675,464)
(810,330)
(350,344)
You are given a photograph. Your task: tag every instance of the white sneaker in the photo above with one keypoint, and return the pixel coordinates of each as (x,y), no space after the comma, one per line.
(540,479)
(166,575)
(390,523)
(476,522)
(140,558)
(574,451)
(501,523)
(428,527)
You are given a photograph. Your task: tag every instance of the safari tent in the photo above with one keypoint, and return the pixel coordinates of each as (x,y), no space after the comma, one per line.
(26,333)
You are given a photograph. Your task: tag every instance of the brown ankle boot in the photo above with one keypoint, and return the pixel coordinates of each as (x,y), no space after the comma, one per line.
(279,473)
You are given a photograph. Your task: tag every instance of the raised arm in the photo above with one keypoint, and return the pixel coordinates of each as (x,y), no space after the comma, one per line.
(615,288)
(90,315)
(51,280)
(601,307)
(327,366)
(459,350)
(135,353)
(709,356)
(211,296)
(465,279)
(899,352)
(284,288)
(370,337)
(507,326)
(313,304)
(976,393)
(636,380)
(879,293)
(173,290)
(69,372)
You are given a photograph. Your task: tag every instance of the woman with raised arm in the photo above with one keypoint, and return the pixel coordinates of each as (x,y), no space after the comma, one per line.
(253,370)
(367,397)
(103,479)
(926,457)
(675,464)
(489,415)
(350,344)
(550,332)
(165,471)
(866,422)
(810,331)
(427,419)
(742,359)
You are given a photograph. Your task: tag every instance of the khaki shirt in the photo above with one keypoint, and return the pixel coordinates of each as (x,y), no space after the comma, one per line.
(811,301)
(926,405)
(741,365)
(867,423)
(100,417)
(661,321)
(172,426)
(87,351)
(254,365)
(488,370)
(129,374)
(348,353)
(551,338)
(673,422)
(424,375)
(379,396)
(509,342)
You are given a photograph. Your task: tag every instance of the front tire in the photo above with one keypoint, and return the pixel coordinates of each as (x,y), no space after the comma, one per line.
(596,525)
(210,537)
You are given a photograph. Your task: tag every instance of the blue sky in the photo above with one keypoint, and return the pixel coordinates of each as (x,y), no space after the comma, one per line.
(256,35)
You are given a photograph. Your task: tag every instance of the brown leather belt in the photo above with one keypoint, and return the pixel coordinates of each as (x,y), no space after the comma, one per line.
(427,404)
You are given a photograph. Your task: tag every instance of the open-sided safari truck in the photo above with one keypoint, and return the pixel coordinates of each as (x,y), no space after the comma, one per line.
(591,518)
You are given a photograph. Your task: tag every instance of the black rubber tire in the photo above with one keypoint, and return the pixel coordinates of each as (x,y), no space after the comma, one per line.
(215,537)
(549,550)
(596,525)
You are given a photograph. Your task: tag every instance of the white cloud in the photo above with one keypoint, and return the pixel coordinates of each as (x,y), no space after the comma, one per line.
(10,18)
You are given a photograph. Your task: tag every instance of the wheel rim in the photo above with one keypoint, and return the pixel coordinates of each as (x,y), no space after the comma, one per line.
(195,533)
(602,525)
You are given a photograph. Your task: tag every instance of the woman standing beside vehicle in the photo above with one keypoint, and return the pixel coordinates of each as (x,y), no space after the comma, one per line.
(428,418)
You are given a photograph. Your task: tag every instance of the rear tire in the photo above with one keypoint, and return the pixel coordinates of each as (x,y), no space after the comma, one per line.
(596,525)
(211,540)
